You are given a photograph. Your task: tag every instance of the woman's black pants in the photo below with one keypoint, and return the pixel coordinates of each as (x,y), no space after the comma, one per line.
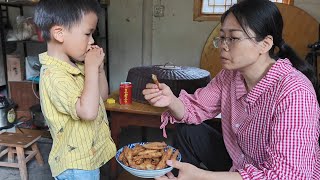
(202,144)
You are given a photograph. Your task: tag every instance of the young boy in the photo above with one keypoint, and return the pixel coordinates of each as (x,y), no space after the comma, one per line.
(73,87)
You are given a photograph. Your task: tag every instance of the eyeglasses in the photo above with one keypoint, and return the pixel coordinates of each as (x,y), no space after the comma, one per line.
(229,41)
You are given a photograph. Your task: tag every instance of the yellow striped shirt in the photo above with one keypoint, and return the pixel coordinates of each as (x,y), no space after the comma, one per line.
(77,144)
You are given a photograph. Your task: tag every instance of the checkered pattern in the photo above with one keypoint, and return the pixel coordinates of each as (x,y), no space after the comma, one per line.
(270,132)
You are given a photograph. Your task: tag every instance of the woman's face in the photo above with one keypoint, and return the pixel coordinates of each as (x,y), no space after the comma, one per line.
(237,51)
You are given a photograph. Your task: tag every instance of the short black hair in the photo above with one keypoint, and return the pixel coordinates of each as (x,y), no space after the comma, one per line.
(62,12)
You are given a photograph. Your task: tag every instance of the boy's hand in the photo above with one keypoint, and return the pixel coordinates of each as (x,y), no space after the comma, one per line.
(94,57)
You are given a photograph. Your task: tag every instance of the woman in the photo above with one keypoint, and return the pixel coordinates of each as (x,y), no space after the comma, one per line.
(267,98)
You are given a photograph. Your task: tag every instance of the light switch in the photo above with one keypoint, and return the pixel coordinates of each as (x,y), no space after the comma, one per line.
(158,11)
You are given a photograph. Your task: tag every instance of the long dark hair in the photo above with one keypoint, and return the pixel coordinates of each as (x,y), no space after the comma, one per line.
(264,18)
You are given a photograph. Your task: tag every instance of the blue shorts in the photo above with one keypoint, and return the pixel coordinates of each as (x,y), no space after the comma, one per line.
(78,174)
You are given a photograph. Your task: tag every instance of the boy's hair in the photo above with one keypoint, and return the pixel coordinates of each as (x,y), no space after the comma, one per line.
(67,13)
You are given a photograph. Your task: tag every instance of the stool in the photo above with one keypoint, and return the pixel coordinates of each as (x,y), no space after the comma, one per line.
(17,143)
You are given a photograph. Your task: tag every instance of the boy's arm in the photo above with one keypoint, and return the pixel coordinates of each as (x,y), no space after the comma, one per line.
(87,105)
(103,83)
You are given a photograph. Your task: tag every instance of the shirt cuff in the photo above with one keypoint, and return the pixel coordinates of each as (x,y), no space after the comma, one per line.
(72,106)
(244,174)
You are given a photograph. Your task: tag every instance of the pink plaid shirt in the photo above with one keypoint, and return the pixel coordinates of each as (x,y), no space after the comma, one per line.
(270,132)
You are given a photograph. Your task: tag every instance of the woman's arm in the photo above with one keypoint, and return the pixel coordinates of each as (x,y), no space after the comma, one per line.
(190,172)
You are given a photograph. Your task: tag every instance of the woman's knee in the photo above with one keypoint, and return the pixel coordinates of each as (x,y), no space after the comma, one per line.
(186,130)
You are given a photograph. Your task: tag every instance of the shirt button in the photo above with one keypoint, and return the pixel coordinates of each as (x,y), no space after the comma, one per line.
(242,155)
(237,125)
(245,109)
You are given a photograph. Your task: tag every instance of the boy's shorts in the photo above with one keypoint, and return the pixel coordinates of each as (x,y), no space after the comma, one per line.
(78,174)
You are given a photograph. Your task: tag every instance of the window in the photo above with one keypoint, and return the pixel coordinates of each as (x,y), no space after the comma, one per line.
(211,10)
(216,6)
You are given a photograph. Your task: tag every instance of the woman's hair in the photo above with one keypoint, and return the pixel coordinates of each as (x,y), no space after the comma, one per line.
(67,13)
(264,18)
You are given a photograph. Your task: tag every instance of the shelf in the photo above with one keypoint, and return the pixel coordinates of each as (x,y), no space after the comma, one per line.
(18,3)
(29,3)
(105,3)
(25,41)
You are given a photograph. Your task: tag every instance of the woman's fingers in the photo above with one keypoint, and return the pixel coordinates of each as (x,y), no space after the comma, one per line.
(151,86)
(151,93)
(170,175)
(161,178)
(175,164)
(148,91)
(167,176)
(155,99)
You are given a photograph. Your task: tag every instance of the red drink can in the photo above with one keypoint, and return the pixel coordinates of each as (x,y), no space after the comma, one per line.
(125,93)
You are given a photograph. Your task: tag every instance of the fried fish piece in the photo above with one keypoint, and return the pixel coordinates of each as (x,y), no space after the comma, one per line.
(155,145)
(148,156)
(121,156)
(155,79)
(155,161)
(167,155)
(125,161)
(137,149)
(147,151)
(139,161)
(148,164)
(128,155)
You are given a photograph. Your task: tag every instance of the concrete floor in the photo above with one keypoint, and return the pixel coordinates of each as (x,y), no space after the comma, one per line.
(36,172)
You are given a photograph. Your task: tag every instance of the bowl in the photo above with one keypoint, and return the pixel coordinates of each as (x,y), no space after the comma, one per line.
(145,173)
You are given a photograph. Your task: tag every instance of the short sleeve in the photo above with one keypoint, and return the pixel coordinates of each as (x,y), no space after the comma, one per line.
(62,90)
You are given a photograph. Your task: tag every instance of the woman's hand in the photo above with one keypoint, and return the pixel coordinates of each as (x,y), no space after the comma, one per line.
(186,171)
(161,96)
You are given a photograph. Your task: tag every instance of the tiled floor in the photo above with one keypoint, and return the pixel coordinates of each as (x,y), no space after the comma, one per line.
(36,172)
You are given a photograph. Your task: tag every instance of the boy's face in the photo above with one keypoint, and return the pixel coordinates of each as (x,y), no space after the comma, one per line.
(78,39)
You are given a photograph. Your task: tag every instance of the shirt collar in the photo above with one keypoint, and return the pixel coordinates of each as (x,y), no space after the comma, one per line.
(45,59)
(280,69)
(241,89)
(275,73)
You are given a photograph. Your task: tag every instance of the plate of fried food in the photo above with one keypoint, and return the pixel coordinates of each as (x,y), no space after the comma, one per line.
(147,159)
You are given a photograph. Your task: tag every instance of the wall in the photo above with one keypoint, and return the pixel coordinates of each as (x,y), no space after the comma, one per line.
(125,38)
(310,6)
(174,38)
